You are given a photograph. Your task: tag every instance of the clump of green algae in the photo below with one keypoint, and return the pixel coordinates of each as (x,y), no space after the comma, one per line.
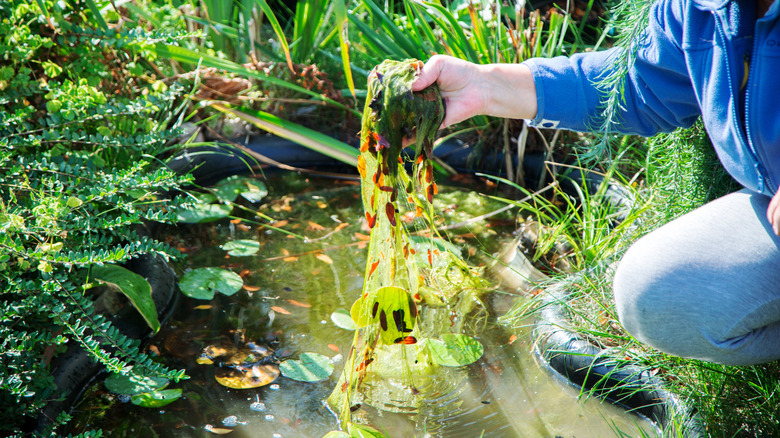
(403,271)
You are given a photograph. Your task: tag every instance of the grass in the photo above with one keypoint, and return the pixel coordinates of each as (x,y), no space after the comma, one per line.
(679,173)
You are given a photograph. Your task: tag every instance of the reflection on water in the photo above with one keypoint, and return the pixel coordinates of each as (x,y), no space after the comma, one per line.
(289,296)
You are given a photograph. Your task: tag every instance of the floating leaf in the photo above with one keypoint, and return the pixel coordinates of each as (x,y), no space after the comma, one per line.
(230,188)
(337,434)
(311,367)
(281,310)
(343,319)
(131,384)
(247,377)
(203,283)
(217,430)
(315,226)
(254,191)
(200,213)
(134,287)
(156,399)
(325,258)
(454,350)
(241,247)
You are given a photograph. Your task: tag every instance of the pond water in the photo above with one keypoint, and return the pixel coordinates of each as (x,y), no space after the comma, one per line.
(291,289)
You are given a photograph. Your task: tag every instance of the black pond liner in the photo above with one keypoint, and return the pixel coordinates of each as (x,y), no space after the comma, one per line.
(601,374)
(565,352)
(74,370)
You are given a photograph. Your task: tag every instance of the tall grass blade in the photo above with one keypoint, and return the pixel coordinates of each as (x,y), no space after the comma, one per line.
(302,135)
(189,56)
(342,24)
(269,14)
(96,12)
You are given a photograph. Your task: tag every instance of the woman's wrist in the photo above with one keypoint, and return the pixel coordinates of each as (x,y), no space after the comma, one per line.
(509,91)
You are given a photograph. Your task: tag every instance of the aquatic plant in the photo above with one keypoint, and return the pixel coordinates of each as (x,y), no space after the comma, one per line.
(404,273)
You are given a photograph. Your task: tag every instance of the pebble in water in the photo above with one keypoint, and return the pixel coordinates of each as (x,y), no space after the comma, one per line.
(232,421)
(258,407)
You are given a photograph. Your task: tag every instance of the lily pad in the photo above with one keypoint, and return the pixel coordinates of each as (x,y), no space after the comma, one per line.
(343,319)
(156,399)
(337,434)
(241,247)
(255,191)
(132,384)
(230,188)
(312,367)
(201,213)
(454,350)
(247,377)
(203,283)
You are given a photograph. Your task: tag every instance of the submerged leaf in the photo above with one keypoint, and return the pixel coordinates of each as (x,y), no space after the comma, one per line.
(241,247)
(217,430)
(454,350)
(156,399)
(281,310)
(203,283)
(324,258)
(132,383)
(312,367)
(247,377)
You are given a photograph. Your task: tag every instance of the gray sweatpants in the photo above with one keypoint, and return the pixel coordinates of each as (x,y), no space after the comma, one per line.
(706,285)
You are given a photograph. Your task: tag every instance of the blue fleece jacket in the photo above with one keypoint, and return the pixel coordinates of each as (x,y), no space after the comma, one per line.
(691,62)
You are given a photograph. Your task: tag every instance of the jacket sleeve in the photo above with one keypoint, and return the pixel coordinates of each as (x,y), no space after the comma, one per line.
(658,95)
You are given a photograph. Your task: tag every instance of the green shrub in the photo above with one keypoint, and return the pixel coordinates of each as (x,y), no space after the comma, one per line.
(83,122)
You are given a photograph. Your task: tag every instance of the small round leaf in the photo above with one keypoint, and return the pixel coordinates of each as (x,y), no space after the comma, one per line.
(203,283)
(454,350)
(343,319)
(241,247)
(311,367)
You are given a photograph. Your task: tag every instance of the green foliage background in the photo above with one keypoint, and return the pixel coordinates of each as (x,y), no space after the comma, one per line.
(83,124)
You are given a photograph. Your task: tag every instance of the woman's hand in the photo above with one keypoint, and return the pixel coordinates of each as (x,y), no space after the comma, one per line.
(501,90)
(773,212)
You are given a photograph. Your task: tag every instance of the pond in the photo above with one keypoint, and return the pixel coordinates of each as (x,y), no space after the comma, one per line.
(291,289)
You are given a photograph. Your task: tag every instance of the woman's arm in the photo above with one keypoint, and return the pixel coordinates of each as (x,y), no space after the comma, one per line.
(501,90)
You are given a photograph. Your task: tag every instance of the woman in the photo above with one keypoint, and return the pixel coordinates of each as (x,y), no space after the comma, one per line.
(706,285)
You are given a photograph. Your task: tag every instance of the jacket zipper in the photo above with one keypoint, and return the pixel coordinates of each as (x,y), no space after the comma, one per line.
(748,125)
(751,149)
